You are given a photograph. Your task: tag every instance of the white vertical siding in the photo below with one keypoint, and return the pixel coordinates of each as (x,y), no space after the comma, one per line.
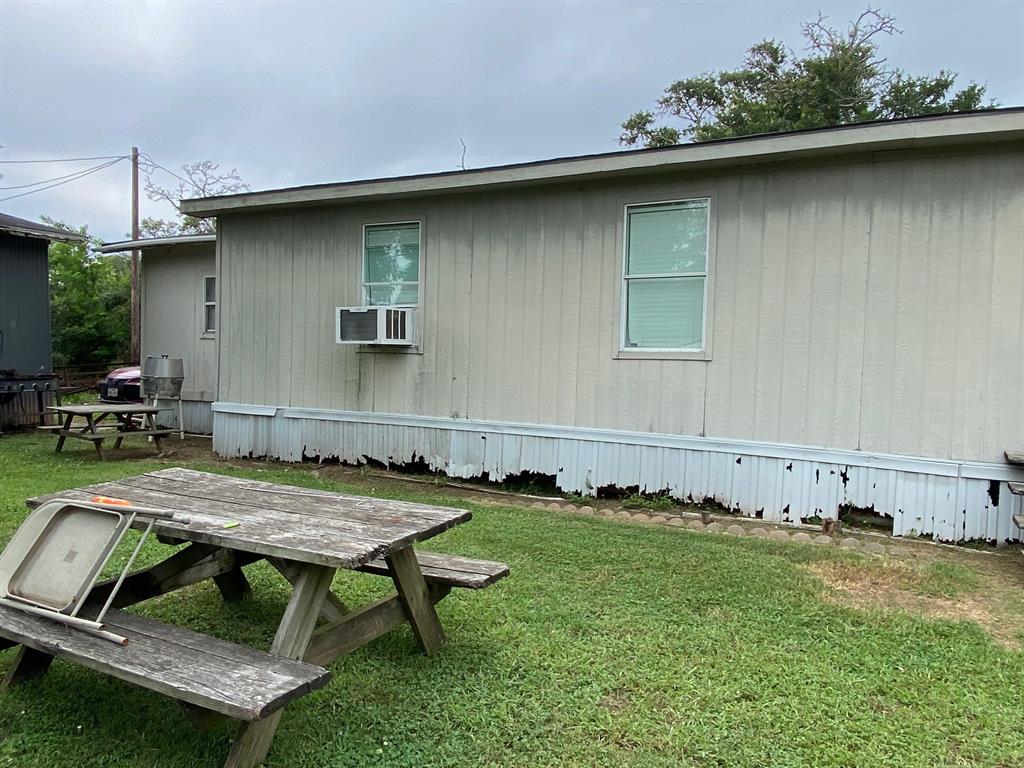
(173,319)
(943,372)
(872,305)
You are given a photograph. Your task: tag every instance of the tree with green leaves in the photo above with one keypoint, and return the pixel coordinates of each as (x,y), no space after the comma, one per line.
(90,315)
(841,79)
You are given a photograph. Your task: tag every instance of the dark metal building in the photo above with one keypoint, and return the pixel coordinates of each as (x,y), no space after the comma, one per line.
(27,383)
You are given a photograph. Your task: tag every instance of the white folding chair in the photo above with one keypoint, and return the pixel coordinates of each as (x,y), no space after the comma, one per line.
(56,556)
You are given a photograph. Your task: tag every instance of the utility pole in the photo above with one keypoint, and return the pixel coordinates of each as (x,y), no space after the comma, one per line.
(135,351)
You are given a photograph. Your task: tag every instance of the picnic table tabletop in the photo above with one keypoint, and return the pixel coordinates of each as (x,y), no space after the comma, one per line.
(298,524)
(305,534)
(88,409)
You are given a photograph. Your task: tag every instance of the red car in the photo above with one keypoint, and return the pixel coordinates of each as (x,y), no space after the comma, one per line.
(122,385)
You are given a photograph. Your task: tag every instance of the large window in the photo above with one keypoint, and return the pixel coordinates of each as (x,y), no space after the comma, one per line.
(209,304)
(391,264)
(665,276)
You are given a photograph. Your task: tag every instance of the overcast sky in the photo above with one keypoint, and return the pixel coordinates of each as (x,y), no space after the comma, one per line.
(299,93)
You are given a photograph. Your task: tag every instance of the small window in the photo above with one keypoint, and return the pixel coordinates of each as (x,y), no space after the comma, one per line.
(209,304)
(665,276)
(391,265)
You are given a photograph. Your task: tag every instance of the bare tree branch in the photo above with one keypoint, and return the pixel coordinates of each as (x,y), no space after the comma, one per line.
(202,178)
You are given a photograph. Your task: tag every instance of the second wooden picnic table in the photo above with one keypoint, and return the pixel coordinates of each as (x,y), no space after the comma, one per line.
(97,428)
(306,535)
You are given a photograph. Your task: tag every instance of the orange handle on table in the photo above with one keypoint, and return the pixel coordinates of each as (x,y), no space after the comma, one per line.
(110,501)
(157,514)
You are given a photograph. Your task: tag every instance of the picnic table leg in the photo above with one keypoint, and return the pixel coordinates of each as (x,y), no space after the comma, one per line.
(92,428)
(123,420)
(292,638)
(233,585)
(29,663)
(150,423)
(333,608)
(67,428)
(412,591)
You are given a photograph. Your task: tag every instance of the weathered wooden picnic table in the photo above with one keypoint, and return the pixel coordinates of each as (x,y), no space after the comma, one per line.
(97,429)
(306,535)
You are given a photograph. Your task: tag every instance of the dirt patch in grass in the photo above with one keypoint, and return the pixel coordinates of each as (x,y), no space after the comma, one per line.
(173,451)
(617,700)
(177,451)
(991,594)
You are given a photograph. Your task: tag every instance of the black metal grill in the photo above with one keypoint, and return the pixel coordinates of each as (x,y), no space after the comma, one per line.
(24,397)
(12,382)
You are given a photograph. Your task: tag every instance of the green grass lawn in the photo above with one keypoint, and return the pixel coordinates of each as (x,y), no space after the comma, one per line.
(610,644)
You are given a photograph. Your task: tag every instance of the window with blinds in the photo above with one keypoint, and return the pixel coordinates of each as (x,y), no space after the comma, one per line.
(391,264)
(209,304)
(665,276)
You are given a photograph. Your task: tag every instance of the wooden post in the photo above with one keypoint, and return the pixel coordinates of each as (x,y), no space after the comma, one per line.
(64,432)
(291,641)
(415,598)
(233,585)
(136,332)
(27,664)
(332,609)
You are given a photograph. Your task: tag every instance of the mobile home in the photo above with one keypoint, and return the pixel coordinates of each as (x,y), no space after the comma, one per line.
(785,324)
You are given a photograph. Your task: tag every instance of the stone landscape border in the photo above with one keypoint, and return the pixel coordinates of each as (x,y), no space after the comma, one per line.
(867,543)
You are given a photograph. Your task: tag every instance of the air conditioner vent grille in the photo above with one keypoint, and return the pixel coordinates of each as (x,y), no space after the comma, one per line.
(358,326)
(393,326)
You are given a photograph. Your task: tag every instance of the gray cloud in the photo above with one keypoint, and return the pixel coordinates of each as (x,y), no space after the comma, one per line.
(297,93)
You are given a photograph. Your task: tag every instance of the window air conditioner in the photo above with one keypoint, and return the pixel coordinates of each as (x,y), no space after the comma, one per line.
(392,326)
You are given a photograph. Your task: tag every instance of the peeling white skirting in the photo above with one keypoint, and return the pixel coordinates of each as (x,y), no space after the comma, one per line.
(949,500)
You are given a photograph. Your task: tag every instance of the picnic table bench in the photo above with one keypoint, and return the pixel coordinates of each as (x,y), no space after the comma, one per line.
(97,429)
(306,535)
(230,679)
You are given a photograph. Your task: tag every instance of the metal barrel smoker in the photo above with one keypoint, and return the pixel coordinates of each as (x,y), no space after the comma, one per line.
(161,379)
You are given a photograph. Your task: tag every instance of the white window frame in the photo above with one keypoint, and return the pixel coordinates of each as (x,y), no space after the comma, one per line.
(701,352)
(209,332)
(419,260)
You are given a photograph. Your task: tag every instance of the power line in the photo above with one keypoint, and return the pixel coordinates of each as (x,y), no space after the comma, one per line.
(75,177)
(150,161)
(67,159)
(58,178)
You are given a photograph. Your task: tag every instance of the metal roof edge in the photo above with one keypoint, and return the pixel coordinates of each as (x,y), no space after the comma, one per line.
(70,237)
(154,242)
(24,228)
(920,132)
